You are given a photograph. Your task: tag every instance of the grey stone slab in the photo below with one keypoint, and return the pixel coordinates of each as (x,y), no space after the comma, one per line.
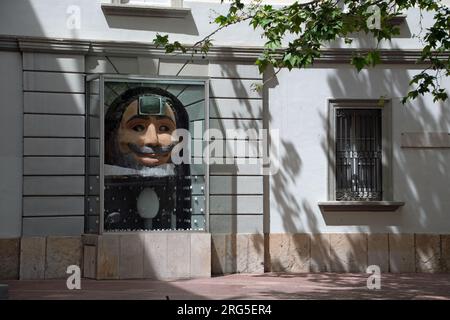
(200,255)
(401,253)
(52,206)
(53,147)
(236,108)
(57,185)
(178,255)
(179,68)
(53,165)
(428,253)
(57,226)
(61,253)
(236,223)
(32,258)
(235,70)
(108,251)
(378,251)
(234,88)
(236,204)
(53,82)
(53,62)
(9,258)
(58,103)
(155,256)
(236,185)
(40,125)
(131,261)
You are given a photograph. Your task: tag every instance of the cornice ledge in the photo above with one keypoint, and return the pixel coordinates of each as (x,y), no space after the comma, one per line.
(53,45)
(127,48)
(8,43)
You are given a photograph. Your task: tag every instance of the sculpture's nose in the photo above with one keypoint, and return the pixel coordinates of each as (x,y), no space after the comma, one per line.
(151,138)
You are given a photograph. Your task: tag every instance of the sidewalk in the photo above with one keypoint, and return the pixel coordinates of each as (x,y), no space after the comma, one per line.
(241,286)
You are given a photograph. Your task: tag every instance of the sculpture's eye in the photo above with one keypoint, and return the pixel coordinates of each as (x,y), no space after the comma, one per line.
(164,128)
(139,128)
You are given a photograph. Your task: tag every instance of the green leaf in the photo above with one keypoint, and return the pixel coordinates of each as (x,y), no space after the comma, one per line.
(359,62)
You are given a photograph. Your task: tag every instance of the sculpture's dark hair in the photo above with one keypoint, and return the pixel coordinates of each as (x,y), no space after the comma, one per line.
(117,108)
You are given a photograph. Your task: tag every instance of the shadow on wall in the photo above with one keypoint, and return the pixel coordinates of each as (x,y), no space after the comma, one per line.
(423,190)
(250,118)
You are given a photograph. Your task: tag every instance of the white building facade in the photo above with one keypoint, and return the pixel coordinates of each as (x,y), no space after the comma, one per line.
(330,128)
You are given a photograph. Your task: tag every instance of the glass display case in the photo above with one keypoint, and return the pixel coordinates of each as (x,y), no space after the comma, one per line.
(145,169)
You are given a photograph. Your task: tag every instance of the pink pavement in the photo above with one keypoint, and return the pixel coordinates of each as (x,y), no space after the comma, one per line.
(244,286)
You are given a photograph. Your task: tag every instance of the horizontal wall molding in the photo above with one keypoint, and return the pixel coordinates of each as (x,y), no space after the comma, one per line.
(54,147)
(332,55)
(53,206)
(53,226)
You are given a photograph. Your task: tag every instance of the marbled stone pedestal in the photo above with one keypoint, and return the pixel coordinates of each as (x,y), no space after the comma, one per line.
(151,255)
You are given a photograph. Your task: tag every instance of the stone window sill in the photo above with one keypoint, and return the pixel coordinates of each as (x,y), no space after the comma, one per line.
(397,21)
(360,205)
(144,11)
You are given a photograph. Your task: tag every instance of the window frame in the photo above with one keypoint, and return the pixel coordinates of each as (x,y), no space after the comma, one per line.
(386,142)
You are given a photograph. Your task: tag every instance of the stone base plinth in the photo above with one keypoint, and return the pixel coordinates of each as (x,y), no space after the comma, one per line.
(154,255)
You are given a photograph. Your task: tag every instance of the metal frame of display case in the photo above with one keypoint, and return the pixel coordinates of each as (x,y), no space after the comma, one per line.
(135,78)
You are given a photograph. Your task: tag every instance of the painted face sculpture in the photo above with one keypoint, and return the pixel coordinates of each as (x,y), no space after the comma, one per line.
(139,128)
(145,132)
(144,190)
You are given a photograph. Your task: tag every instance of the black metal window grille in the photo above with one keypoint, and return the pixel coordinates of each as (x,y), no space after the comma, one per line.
(358,154)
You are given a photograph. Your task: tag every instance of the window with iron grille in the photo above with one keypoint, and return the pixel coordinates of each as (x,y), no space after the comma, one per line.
(358,152)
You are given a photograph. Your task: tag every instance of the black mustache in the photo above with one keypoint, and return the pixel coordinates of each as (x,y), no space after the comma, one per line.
(150,150)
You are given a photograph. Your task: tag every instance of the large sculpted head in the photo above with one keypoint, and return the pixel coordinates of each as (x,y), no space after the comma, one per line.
(139,125)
